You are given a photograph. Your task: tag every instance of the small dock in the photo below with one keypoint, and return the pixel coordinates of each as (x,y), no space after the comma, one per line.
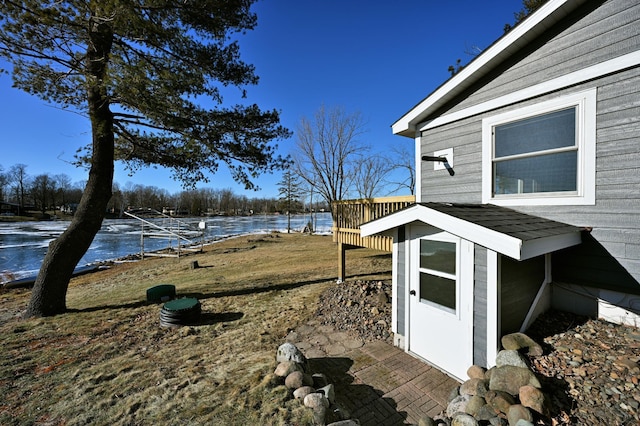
(181,237)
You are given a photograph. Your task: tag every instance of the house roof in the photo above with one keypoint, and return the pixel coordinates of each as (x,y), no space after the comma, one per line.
(517,235)
(513,41)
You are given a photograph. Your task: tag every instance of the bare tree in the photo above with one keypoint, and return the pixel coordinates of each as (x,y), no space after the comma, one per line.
(63,184)
(19,181)
(328,151)
(403,161)
(4,181)
(41,189)
(370,175)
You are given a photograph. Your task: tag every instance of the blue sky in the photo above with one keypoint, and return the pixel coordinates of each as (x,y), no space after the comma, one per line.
(377,57)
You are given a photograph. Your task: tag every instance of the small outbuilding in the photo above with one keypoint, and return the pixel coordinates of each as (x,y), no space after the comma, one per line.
(528,189)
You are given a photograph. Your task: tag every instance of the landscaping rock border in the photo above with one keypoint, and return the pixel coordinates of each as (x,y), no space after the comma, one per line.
(312,389)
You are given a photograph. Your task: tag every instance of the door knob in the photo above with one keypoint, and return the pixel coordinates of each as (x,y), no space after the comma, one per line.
(412,292)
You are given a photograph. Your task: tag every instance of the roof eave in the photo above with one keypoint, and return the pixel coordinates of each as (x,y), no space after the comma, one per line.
(507,245)
(491,239)
(535,25)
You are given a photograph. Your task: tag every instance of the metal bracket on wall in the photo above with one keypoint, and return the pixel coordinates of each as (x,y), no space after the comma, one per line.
(443,160)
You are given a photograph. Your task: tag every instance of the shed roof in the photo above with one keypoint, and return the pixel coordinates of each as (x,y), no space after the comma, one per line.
(517,235)
(510,43)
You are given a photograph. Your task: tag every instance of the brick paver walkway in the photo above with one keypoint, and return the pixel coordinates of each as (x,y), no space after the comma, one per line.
(377,383)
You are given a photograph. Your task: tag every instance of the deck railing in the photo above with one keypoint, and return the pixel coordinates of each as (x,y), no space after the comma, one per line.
(350,214)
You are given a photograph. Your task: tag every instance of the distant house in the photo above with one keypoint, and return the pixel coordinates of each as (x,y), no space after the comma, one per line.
(538,203)
(9,209)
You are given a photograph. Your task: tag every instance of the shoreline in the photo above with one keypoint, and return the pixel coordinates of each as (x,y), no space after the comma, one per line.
(28,279)
(23,244)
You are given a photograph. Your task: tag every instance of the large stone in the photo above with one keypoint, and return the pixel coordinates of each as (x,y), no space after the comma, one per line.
(519,341)
(474,387)
(498,421)
(476,372)
(289,352)
(458,405)
(426,421)
(511,357)
(285,368)
(499,401)
(297,379)
(302,392)
(485,413)
(320,416)
(510,379)
(474,405)
(535,399)
(316,400)
(382,299)
(464,420)
(344,423)
(489,372)
(518,412)
(453,394)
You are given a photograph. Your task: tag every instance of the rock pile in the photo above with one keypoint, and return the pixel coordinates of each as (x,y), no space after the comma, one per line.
(312,389)
(362,308)
(507,394)
(590,369)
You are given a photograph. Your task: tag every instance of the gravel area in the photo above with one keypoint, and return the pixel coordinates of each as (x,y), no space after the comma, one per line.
(590,368)
(362,308)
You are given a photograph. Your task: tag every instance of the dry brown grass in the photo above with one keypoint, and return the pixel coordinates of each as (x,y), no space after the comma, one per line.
(108,361)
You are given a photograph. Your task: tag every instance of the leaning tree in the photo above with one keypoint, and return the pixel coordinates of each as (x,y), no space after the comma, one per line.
(149,75)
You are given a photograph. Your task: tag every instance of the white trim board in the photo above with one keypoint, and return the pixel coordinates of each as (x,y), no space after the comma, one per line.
(613,65)
(493,240)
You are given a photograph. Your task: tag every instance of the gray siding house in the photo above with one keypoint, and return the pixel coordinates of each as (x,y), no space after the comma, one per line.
(538,202)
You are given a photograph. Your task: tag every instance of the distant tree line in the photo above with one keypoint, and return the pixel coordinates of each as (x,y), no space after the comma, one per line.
(24,194)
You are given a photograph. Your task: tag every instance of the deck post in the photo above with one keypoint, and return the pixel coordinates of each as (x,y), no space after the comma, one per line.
(342,261)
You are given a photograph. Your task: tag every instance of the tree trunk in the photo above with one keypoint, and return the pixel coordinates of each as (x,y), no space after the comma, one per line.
(49,293)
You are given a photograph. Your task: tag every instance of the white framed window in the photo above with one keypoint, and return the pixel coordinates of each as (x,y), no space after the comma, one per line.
(542,154)
(438,266)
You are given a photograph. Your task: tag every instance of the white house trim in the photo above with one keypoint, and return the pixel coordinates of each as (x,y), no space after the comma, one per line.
(394,283)
(493,240)
(493,307)
(536,24)
(586,102)
(418,168)
(571,79)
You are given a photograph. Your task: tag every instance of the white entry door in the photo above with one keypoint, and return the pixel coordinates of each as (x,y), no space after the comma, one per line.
(441,300)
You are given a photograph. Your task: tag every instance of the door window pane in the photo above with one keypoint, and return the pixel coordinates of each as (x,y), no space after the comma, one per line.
(438,256)
(438,290)
(438,273)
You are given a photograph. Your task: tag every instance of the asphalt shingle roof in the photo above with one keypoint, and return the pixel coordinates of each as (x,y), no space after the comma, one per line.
(519,225)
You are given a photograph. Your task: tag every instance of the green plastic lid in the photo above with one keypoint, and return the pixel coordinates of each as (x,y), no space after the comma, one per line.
(184,304)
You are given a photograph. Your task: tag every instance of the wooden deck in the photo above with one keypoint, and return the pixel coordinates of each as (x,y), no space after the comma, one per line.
(350,214)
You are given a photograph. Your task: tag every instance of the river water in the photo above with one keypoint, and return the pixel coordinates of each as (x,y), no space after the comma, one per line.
(23,245)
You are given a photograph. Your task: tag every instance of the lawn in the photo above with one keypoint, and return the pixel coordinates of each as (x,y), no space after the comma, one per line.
(109,362)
